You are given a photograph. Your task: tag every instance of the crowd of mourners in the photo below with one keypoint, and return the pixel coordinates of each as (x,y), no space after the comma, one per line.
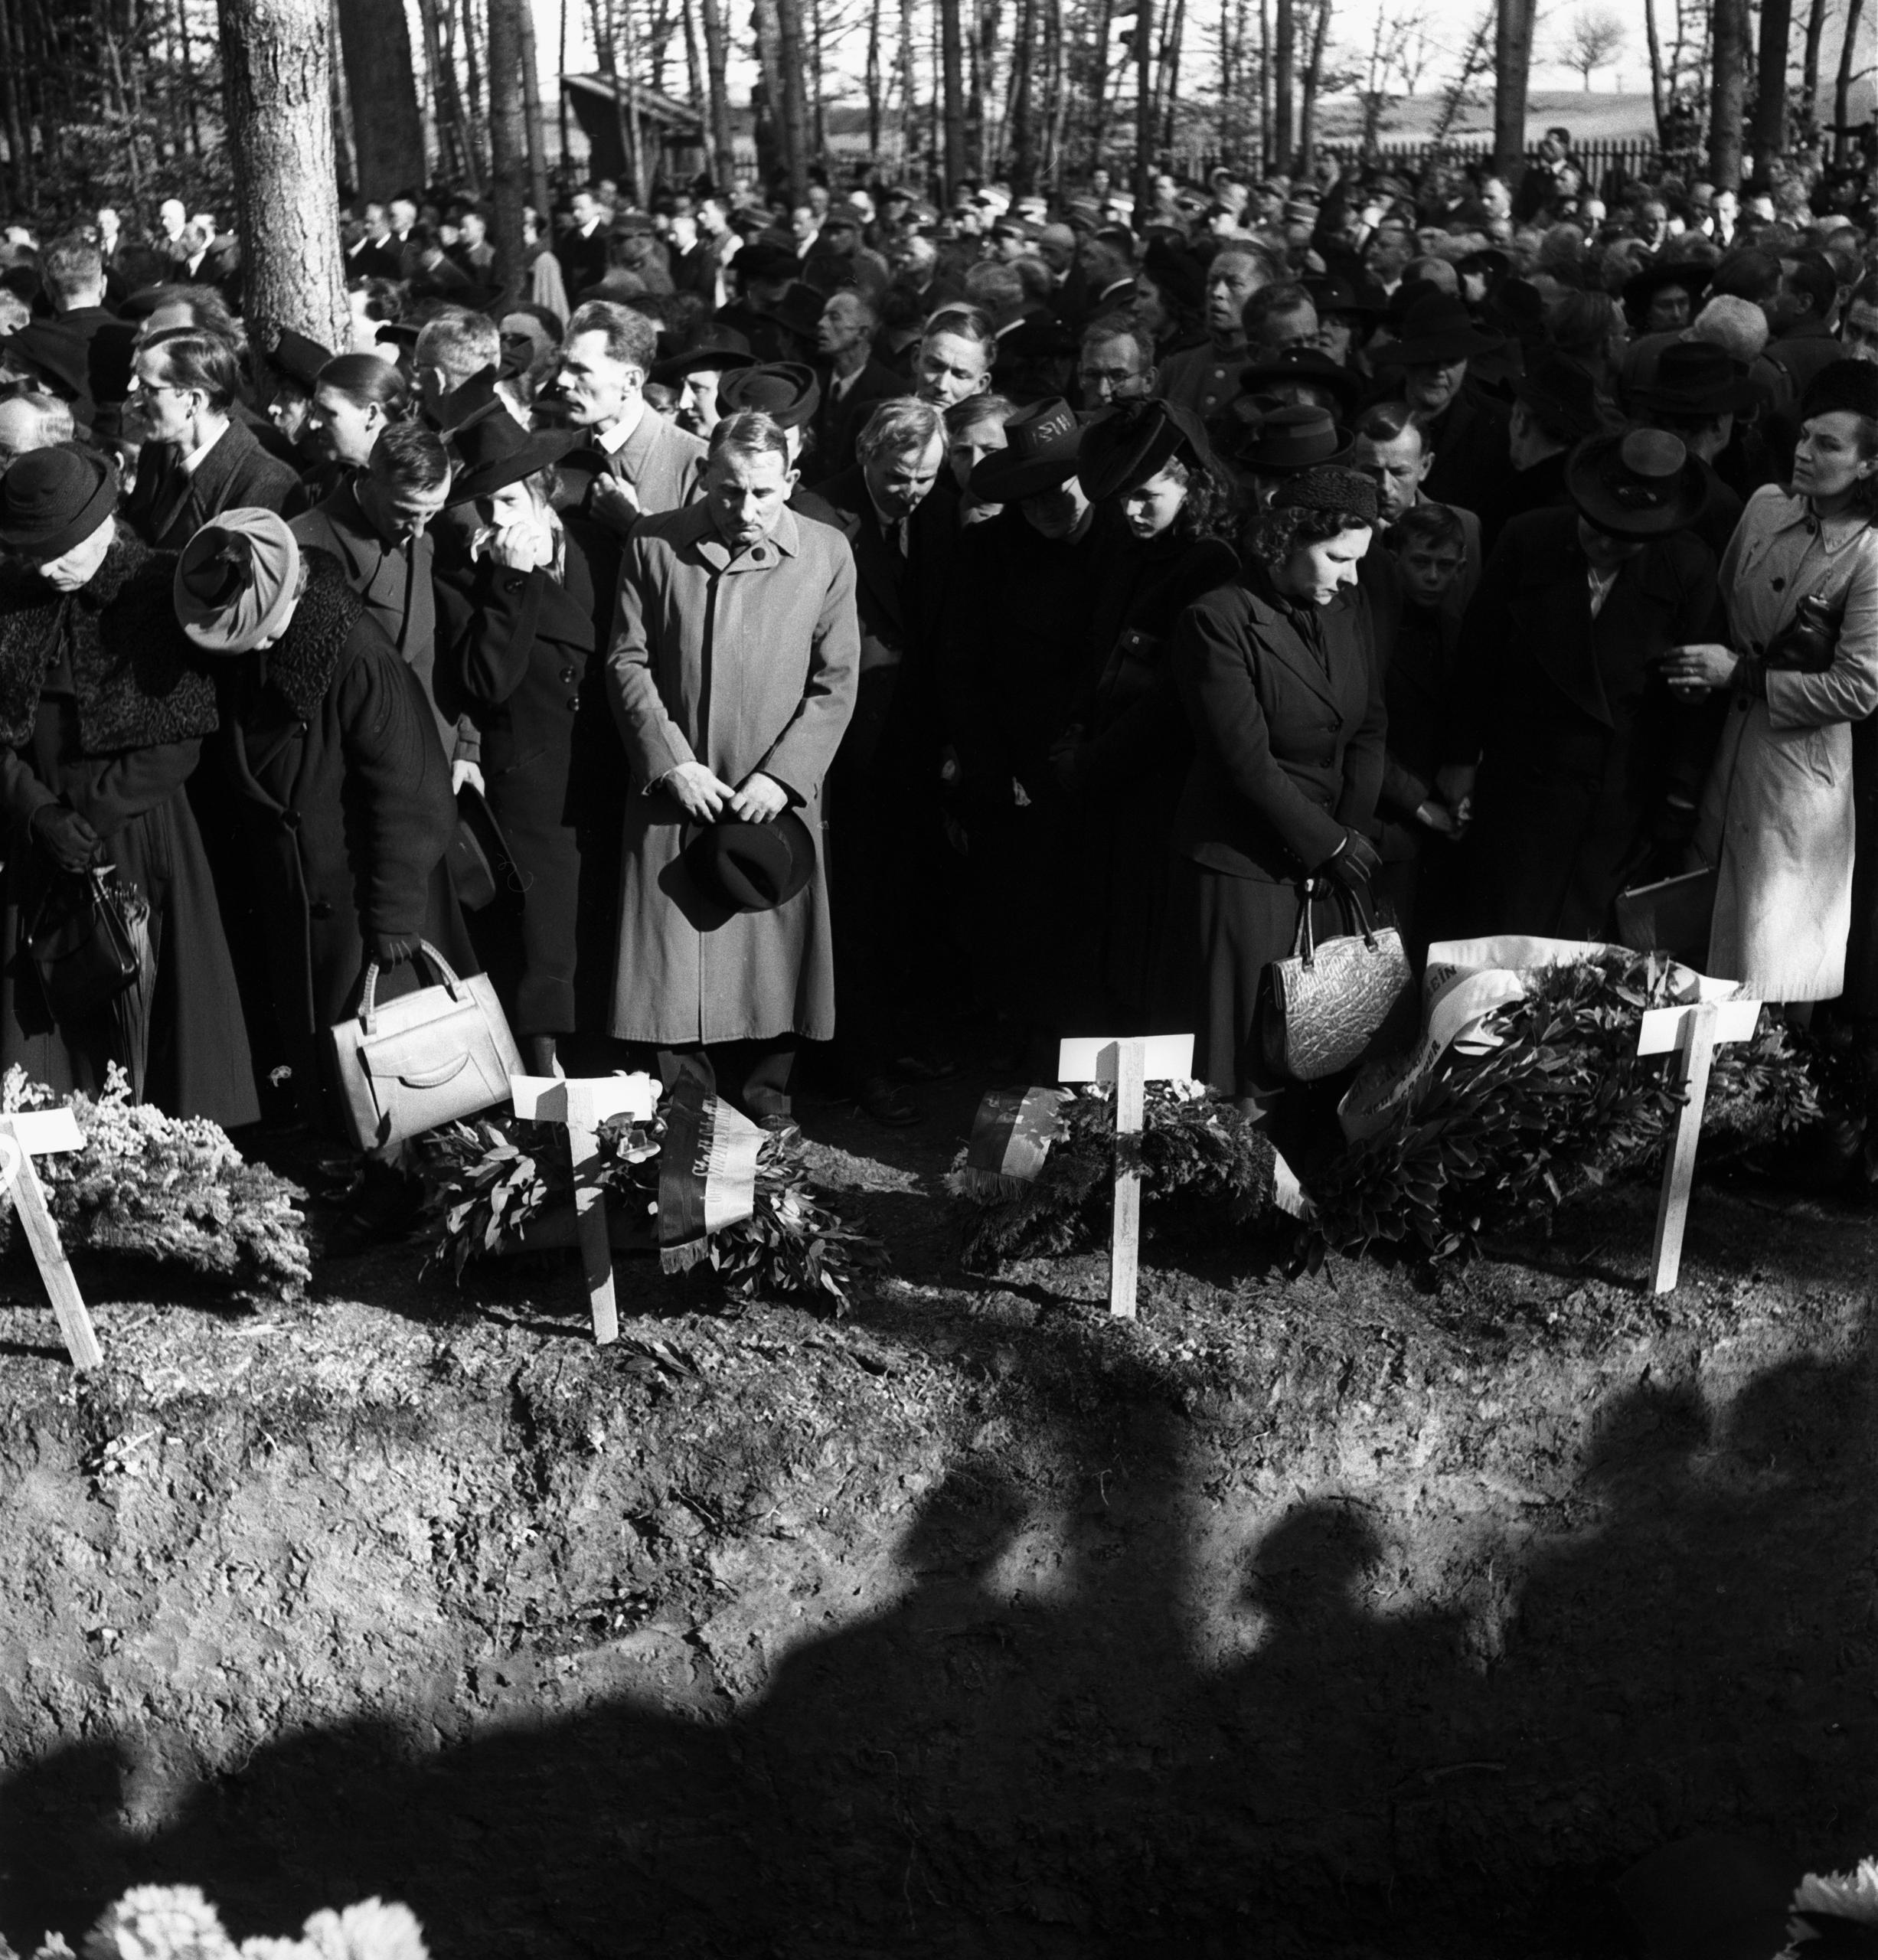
(743,626)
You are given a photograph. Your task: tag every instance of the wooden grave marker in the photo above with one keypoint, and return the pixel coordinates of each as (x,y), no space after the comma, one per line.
(1131,1063)
(582,1103)
(1694,1031)
(24,1135)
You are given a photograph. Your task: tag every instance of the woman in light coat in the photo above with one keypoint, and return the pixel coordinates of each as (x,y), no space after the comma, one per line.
(1778,819)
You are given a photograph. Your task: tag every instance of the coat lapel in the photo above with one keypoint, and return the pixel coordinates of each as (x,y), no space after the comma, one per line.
(1279,638)
(1553,615)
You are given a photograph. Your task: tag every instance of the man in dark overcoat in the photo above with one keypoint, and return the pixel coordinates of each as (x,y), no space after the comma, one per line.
(1589,768)
(884,814)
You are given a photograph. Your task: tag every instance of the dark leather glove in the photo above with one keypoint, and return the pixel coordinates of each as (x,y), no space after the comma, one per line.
(393,948)
(1356,864)
(64,836)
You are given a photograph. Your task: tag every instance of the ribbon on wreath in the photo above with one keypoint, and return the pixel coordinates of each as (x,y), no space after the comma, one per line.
(1010,1138)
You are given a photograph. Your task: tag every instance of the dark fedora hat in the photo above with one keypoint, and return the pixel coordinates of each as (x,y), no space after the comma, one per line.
(1692,274)
(60,360)
(300,357)
(1334,293)
(1695,378)
(718,353)
(470,401)
(1437,329)
(1176,270)
(1043,443)
(1285,440)
(1561,393)
(753,867)
(799,309)
(762,258)
(496,449)
(1310,365)
(785,391)
(52,499)
(1134,442)
(1644,484)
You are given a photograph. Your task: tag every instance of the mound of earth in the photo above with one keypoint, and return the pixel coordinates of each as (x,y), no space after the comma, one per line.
(1322,1616)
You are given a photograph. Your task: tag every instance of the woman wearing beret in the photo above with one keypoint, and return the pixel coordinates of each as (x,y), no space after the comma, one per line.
(328,739)
(522,617)
(1284,698)
(104,711)
(1124,754)
(1798,672)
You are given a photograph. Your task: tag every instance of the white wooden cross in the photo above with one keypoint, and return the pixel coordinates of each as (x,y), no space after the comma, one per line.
(1695,1031)
(24,1135)
(1130,1064)
(582,1103)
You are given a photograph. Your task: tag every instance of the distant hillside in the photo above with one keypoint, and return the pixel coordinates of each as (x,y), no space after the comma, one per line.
(1610,117)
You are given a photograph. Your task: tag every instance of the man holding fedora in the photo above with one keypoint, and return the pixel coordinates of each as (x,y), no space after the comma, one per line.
(731,677)
(1466,430)
(1589,768)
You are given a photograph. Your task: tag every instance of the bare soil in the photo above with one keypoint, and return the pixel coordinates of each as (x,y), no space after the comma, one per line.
(1326,1616)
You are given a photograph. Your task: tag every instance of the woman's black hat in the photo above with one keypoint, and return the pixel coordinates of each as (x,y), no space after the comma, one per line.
(1347,491)
(1437,329)
(753,867)
(1642,484)
(1310,365)
(52,499)
(1133,443)
(496,450)
(1692,274)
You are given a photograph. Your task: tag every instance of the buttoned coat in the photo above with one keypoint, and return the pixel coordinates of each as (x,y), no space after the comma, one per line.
(742,662)
(1285,707)
(1581,742)
(166,508)
(1778,818)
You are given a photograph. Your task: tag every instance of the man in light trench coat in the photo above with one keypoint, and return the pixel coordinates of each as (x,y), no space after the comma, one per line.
(732,677)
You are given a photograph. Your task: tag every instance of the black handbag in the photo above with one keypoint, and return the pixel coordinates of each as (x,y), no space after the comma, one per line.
(81,943)
(1808,643)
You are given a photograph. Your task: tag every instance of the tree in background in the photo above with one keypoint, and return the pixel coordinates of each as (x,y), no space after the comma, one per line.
(387,132)
(1593,41)
(277,66)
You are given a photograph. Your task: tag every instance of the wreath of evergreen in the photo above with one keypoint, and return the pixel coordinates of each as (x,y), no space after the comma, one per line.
(487,1181)
(1487,1139)
(170,1189)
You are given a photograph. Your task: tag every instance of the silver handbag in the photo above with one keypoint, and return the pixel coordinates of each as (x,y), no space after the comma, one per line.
(1329,1006)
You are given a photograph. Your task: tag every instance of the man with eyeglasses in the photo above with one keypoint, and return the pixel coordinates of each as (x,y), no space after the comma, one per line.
(1116,364)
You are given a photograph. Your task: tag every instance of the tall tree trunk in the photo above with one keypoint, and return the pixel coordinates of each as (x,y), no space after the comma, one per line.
(508,134)
(908,90)
(795,56)
(1842,87)
(717,61)
(639,169)
(1283,60)
(701,102)
(983,82)
(1726,95)
(609,68)
(276,93)
(1099,79)
(536,123)
(344,142)
(1319,28)
(870,78)
(1512,66)
(952,64)
(1057,131)
(1144,107)
(769,66)
(564,113)
(1023,99)
(1809,64)
(375,44)
(476,100)
(1656,69)
(184,39)
(1770,110)
(818,100)
(1172,33)
(1264,86)
(12,104)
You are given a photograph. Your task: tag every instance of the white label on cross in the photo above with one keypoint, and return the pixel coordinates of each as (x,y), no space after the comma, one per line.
(1697,1031)
(582,1103)
(1130,1064)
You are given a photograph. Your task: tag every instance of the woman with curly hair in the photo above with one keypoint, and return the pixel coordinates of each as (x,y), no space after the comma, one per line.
(1148,467)
(1283,696)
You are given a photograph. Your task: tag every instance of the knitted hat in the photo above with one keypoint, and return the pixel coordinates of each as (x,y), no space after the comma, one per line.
(1330,488)
(52,499)
(237,581)
(1849,386)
